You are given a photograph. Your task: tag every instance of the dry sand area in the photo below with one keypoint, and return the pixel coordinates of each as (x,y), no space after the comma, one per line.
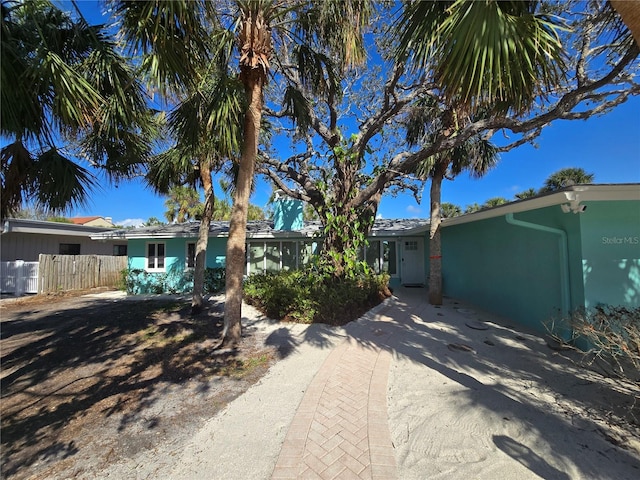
(470,396)
(508,408)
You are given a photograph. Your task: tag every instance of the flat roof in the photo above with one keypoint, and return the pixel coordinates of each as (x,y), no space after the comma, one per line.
(569,195)
(261,229)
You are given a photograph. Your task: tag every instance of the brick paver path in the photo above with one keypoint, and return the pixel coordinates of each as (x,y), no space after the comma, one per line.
(340,430)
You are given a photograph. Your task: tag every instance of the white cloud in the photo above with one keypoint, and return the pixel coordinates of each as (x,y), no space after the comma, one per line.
(413,209)
(130,222)
(379,216)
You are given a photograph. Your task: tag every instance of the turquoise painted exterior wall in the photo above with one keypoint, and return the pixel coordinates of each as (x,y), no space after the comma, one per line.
(175,278)
(611,253)
(490,264)
(287,214)
(515,271)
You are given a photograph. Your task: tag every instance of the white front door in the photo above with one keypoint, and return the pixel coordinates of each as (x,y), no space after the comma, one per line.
(413,261)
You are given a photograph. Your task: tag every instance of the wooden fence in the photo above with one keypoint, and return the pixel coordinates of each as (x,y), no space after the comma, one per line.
(77,272)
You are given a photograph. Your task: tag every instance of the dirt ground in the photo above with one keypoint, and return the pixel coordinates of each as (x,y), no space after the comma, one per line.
(90,381)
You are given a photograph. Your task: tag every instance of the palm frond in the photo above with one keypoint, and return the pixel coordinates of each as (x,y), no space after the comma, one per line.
(16,177)
(512,59)
(60,183)
(172,35)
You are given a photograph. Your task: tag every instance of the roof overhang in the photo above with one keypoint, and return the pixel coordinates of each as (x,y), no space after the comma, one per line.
(570,195)
(20,225)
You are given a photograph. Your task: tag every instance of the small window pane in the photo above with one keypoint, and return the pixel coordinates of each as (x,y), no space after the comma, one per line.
(69,249)
(120,250)
(307,250)
(191,255)
(373,255)
(151,251)
(389,257)
(273,256)
(256,258)
(288,255)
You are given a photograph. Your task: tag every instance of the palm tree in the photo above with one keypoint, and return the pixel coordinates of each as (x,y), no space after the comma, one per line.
(450,210)
(494,202)
(476,156)
(179,36)
(501,55)
(630,13)
(183,204)
(205,126)
(490,55)
(66,94)
(529,193)
(474,207)
(565,178)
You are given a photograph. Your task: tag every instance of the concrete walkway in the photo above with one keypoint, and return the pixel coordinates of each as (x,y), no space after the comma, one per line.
(340,430)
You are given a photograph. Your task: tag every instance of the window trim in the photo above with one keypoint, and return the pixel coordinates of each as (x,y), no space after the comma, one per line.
(148,268)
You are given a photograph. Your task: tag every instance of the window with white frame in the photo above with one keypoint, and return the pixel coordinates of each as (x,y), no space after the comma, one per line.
(155,256)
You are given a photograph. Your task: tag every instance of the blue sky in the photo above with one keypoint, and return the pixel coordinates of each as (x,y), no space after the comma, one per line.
(607,146)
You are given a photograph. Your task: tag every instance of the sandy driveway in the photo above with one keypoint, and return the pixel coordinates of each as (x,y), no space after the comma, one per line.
(463,402)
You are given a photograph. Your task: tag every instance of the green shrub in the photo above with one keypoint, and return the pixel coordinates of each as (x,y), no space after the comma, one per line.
(122,280)
(301,296)
(214,280)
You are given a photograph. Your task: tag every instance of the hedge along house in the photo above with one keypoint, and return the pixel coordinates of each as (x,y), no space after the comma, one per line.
(162,258)
(539,259)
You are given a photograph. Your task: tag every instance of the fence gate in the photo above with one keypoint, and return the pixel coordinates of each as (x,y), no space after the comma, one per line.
(19,277)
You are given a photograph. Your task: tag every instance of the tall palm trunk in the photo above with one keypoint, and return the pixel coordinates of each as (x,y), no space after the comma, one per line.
(630,13)
(254,80)
(435,248)
(203,237)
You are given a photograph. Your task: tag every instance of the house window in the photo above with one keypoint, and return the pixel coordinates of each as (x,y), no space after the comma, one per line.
(411,245)
(256,258)
(389,257)
(289,256)
(191,255)
(373,255)
(307,251)
(119,250)
(272,256)
(155,256)
(69,249)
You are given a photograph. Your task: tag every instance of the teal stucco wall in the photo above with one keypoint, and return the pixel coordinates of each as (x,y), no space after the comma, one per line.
(288,214)
(175,278)
(516,271)
(611,253)
(511,270)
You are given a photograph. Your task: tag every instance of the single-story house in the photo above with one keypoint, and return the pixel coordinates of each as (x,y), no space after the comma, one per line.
(23,239)
(538,259)
(530,260)
(168,251)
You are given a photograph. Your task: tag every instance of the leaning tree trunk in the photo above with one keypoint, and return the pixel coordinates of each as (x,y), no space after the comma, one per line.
(254,80)
(203,237)
(435,249)
(630,13)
